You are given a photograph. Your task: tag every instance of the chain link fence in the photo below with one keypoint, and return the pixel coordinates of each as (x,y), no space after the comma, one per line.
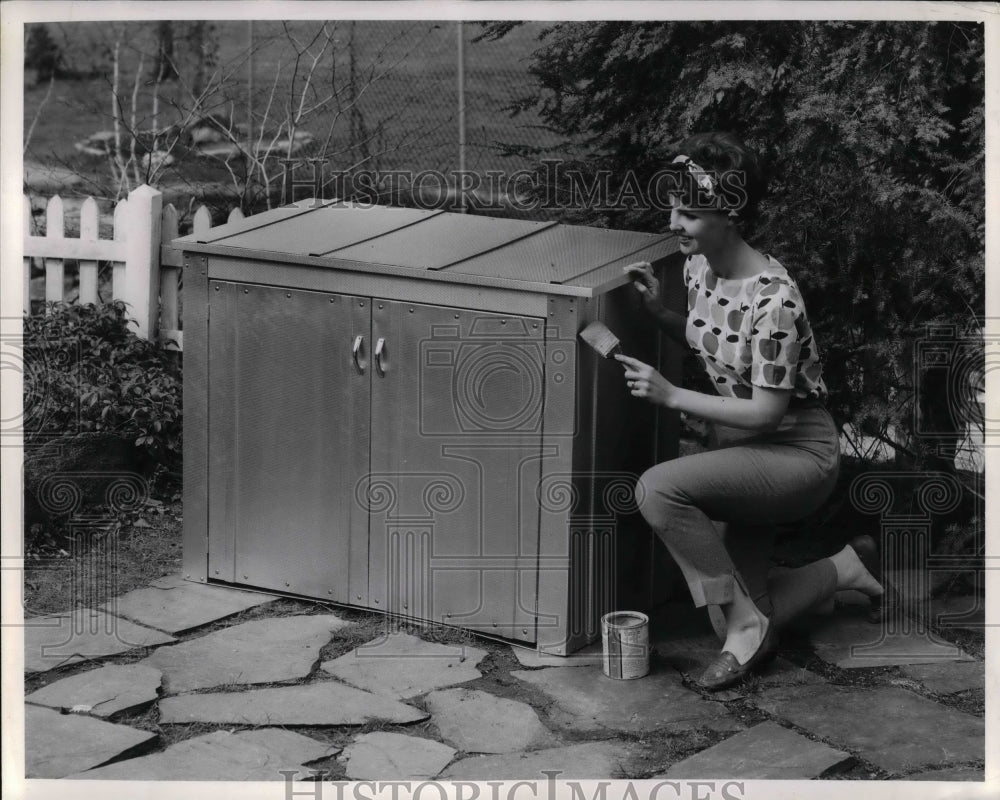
(216,107)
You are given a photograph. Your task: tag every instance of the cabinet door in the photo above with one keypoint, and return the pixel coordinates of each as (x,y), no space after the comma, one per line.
(456,440)
(288,440)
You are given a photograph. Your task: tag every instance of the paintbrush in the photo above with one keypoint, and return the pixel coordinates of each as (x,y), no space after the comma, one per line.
(601,339)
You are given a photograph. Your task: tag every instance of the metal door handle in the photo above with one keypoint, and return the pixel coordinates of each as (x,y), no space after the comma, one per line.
(379,350)
(356,351)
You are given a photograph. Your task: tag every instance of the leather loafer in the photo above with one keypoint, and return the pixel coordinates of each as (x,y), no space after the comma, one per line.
(885,604)
(726,671)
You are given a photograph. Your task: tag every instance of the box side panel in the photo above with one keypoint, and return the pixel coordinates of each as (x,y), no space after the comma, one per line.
(195,398)
(634,435)
(669,582)
(562,625)
(223,421)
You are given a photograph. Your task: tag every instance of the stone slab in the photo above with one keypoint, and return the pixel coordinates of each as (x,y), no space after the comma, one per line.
(949,678)
(57,745)
(260,651)
(849,641)
(404,666)
(175,605)
(765,752)
(60,639)
(573,762)
(950,774)
(689,654)
(258,755)
(103,691)
(890,727)
(589,656)
(321,703)
(782,672)
(395,756)
(587,700)
(479,722)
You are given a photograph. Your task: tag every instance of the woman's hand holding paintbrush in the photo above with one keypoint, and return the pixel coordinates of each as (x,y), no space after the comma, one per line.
(642,379)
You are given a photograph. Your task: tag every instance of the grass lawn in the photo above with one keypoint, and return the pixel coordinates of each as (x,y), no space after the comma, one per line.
(405,74)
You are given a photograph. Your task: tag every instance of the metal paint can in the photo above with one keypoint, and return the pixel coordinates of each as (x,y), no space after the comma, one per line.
(625,636)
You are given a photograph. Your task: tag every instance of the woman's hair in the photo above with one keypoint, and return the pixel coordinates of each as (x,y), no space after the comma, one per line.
(716,170)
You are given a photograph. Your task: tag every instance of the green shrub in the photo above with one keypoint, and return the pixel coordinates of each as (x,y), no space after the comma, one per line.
(86,371)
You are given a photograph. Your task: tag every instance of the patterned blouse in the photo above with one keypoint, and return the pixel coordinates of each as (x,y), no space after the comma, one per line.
(752,331)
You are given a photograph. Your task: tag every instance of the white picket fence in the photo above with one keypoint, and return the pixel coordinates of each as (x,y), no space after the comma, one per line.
(146,272)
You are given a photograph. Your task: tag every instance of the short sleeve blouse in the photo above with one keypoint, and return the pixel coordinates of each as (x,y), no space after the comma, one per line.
(752,331)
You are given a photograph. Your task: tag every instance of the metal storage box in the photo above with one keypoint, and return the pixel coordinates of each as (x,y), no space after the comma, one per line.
(390,408)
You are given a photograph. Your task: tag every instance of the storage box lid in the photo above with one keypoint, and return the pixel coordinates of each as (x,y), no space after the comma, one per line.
(452,247)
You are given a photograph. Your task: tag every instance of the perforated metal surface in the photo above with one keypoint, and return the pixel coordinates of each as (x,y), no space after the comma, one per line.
(446,247)
(456,436)
(439,241)
(324,229)
(289,439)
(555,255)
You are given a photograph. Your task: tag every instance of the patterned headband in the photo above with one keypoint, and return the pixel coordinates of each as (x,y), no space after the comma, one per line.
(706,181)
(700,175)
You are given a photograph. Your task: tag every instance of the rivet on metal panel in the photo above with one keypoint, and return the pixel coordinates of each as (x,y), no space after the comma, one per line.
(288,294)
(246,291)
(503,322)
(376,602)
(246,577)
(405,605)
(524,631)
(456,316)
(494,624)
(333,299)
(381,306)
(448,616)
(411,310)
(329,591)
(534,324)
(217,572)
(216,287)
(287,584)
(359,597)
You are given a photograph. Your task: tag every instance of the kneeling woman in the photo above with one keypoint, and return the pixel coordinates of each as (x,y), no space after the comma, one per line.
(777,452)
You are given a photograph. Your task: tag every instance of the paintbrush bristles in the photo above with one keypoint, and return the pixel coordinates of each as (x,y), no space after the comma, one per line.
(600,337)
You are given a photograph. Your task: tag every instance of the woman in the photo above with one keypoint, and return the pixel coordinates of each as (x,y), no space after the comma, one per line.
(777,449)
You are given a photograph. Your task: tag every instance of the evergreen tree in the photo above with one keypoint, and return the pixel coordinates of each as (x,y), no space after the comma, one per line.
(872,137)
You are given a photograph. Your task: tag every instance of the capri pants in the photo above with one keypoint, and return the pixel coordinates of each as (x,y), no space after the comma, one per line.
(748,484)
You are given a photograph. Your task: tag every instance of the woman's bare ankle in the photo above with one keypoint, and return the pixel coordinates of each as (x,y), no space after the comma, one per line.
(852,574)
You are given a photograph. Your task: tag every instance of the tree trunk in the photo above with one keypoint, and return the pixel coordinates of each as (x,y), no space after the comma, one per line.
(163,67)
